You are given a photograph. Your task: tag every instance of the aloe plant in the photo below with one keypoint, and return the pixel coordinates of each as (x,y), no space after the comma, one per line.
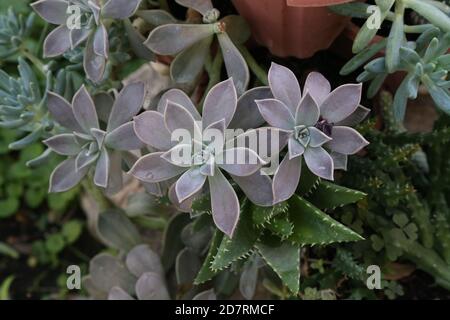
(191,43)
(82,21)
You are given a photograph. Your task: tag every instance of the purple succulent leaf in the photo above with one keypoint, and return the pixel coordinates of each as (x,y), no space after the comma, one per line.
(151,286)
(53,11)
(151,129)
(154,189)
(103,104)
(62,112)
(123,138)
(78,36)
(346,140)
(115,179)
(64,144)
(186,205)
(213,131)
(317,86)
(319,162)
(341,103)
(57,42)
(188,64)
(284,86)
(235,63)
(136,41)
(247,115)
(308,112)
(179,97)
(276,114)
(206,295)
(240,161)
(99,136)
(102,169)
(271,140)
(202,6)
(224,203)
(65,176)
(127,105)
(107,272)
(257,187)
(84,110)
(101,41)
(172,155)
(95,9)
(118,294)
(286,179)
(85,159)
(355,118)
(182,37)
(153,168)
(94,64)
(189,184)
(296,149)
(209,168)
(220,103)
(142,259)
(339,160)
(318,138)
(120,9)
(178,117)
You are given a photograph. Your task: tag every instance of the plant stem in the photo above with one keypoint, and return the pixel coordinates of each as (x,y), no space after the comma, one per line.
(36,61)
(257,70)
(92,190)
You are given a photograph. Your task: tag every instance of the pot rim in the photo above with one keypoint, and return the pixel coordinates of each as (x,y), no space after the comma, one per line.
(315,3)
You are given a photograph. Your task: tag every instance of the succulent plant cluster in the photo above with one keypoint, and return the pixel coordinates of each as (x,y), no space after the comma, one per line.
(230,221)
(82,21)
(421,59)
(191,43)
(13,30)
(90,143)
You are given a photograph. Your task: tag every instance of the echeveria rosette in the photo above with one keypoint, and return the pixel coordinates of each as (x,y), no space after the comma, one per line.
(339,111)
(218,112)
(310,121)
(88,145)
(191,44)
(96,16)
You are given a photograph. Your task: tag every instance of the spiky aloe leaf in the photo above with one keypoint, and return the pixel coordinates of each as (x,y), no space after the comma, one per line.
(308,181)
(284,259)
(206,273)
(329,196)
(281,226)
(313,227)
(244,238)
(262,215)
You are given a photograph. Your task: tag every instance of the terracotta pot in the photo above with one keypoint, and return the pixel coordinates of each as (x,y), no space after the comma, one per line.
(297,28)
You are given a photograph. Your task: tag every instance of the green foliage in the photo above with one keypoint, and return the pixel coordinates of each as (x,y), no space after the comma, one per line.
(424,60)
